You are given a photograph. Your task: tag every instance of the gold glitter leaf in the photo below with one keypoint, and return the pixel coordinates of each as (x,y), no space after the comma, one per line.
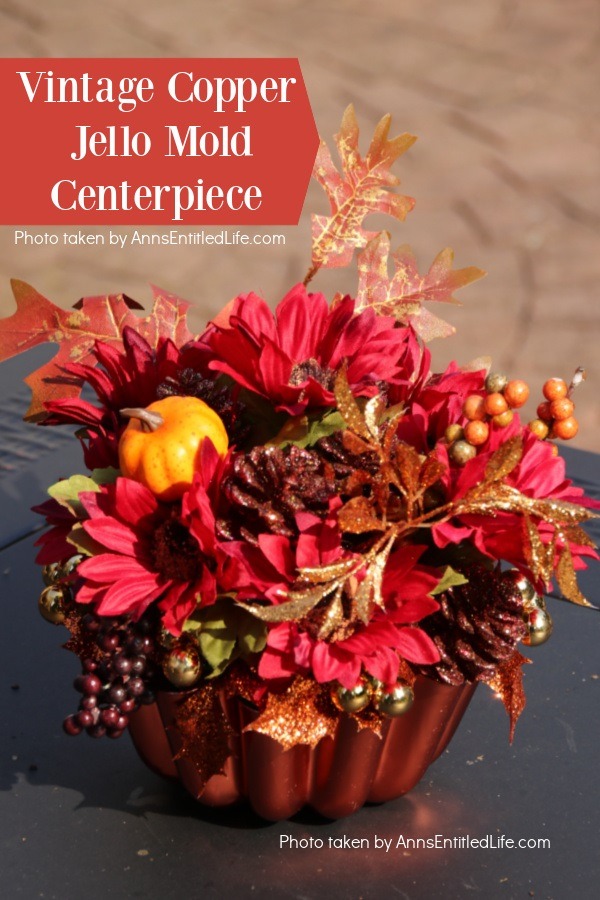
(348,406)
(303,714)
(363,188)
(577,535)
(334,616)
(567,579)
(536,553)
(328,572)
(373,411)
(503,461)
(296,605)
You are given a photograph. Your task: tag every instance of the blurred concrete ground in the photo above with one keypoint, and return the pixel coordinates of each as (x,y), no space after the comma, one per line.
(504,97)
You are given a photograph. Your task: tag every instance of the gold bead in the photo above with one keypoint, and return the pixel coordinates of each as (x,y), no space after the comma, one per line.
(453,433)
(352,700)
(182,666)
(52,603)
(51,573)
(539,627)
(68,568)
(395,702)
(495,383)
(527,590)
(461,452)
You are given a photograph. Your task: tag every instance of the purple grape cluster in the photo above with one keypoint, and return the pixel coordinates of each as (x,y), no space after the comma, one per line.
(115,676)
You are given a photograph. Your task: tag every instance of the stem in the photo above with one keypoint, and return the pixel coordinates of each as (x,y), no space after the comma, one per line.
(578,377)
(311,274)
(150,420)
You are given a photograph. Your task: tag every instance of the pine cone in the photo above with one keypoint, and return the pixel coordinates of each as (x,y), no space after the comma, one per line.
(269,485)
(477,627)
(343,461)
(189,383)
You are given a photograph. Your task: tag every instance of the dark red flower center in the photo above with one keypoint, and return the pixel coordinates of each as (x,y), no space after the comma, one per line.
(176,554)
(310,368)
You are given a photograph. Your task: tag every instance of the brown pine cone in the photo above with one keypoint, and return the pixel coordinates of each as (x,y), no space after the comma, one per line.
(269,485)
(478,626)
(343,461)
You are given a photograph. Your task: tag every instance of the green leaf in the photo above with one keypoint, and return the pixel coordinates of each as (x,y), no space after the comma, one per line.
(450,578)
(224,631)
(67,492)
(254,637)
(83,542)
(106,476)
(216,646)
(305,432)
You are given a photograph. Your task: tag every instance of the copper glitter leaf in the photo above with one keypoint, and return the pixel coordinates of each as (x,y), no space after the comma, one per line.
(507,682)
(363,187)
(303,714)
(403,295)
(38,320)
(504,459)
(204,731)
(358,517)
(408,468)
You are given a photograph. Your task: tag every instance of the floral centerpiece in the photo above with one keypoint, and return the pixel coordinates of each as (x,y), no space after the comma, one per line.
(295,544)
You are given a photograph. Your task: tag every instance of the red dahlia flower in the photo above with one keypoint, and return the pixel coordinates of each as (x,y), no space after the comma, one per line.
(291,357)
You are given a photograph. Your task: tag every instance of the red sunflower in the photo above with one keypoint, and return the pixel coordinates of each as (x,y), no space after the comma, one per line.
(291,357)
(153,551)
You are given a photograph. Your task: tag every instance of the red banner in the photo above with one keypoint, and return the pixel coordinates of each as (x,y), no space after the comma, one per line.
(154,141)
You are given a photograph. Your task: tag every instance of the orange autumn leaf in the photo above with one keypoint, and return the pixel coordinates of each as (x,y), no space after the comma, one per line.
(363,187)
(404,293)
(38,321)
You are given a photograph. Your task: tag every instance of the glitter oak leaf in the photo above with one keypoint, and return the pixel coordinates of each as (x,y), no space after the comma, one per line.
(363,187)
(38,321)
(404,293)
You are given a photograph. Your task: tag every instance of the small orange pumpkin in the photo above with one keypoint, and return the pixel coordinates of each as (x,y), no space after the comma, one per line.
(160,446)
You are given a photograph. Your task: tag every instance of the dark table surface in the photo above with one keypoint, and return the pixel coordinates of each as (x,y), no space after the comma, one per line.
(83,818)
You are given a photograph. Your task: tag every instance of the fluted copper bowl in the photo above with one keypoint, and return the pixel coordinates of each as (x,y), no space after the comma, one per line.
(335,778)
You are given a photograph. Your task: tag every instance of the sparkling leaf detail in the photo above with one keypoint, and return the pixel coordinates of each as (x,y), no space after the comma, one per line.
(504,460)
(507,682)
(202,732)
(38,321)
(403,295)
(362,188)
(567,579)
(303,714)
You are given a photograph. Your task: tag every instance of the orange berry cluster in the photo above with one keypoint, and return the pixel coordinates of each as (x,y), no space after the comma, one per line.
(555,414)
(502,397)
